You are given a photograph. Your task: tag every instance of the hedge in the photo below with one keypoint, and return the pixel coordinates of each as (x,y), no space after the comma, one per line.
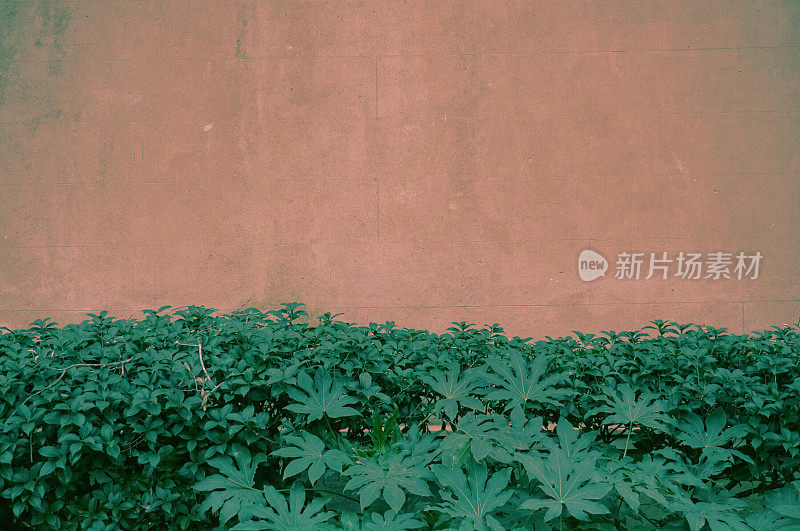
(192,419)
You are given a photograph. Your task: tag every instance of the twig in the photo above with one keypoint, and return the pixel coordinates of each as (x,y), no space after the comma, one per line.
(194,380)
(207,394)
(203,365)
(208,379)
(109,364)
(46,388)
(65,369)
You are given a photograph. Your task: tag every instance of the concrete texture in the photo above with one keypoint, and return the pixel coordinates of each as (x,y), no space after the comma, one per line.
(422,162)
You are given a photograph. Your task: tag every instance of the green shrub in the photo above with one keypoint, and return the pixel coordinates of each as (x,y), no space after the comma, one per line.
(261,420)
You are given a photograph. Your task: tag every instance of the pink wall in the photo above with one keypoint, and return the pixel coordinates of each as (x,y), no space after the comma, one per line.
(422,162)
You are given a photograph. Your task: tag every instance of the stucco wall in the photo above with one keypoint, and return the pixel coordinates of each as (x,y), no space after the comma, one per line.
(422,162)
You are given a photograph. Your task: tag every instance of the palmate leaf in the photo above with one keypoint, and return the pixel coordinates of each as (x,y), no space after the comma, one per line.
(624,408)
(294,516)
(470,497)
(566,480)
(233,492)
(694,433)
(711,436)
(422,448)
(388,521)
(567,485)
(572,442)
(649,477)
(719,511)
(391,521)
(481,436)
(455,387)
(520,382)
(518,432)
(786,501)
(311,455)
(766,520)
(389,477)
(322,397)
(688,473)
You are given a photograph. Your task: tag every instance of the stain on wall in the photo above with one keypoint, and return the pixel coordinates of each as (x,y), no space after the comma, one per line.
(422,162)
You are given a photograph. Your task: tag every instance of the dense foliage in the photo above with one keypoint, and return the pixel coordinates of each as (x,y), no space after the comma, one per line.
(195,420)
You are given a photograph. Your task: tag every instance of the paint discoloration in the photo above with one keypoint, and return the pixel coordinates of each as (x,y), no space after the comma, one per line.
(31,32)
(8,44)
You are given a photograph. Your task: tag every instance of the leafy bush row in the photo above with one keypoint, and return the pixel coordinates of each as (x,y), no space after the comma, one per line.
(264,420)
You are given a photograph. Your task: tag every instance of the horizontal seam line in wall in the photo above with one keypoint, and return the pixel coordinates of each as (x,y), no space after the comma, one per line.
(322,180)
(418,115)
(314,181)
(564,305)
(535,115)
(527,115)
(377,243)
(381,55)
(87,183)
(413,307)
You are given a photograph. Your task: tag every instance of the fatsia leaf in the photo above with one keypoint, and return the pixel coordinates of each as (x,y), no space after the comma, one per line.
(233,492)
(310,454)
(786,501)
(389,477)
(276,514)
(321,397)
(696,474)
(455,387)
(518,432)
(471,497)
(477,435)
(391,521)
(521,383)
(649,477)
(572,442)
(719,511)
(422,448)
(567,482)
(624,408)
(768,520)
(695,433)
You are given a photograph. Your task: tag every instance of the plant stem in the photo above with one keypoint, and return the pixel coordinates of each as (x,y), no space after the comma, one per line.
(628,439)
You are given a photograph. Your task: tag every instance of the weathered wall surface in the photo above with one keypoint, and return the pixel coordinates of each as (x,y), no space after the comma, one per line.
(422,162)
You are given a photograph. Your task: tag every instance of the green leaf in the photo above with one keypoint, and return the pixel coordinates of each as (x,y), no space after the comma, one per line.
(47,468)
(470,497)
(310,454)
(233,492)
(719,511)
(694,433)
(567,482)
(322,397)
(711,436)
(522,384)
(391,521)
(475,433)
(625,408)
(388,476)
(50,451)
(294,516)
(455,387)
(786,501)
(572,442)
